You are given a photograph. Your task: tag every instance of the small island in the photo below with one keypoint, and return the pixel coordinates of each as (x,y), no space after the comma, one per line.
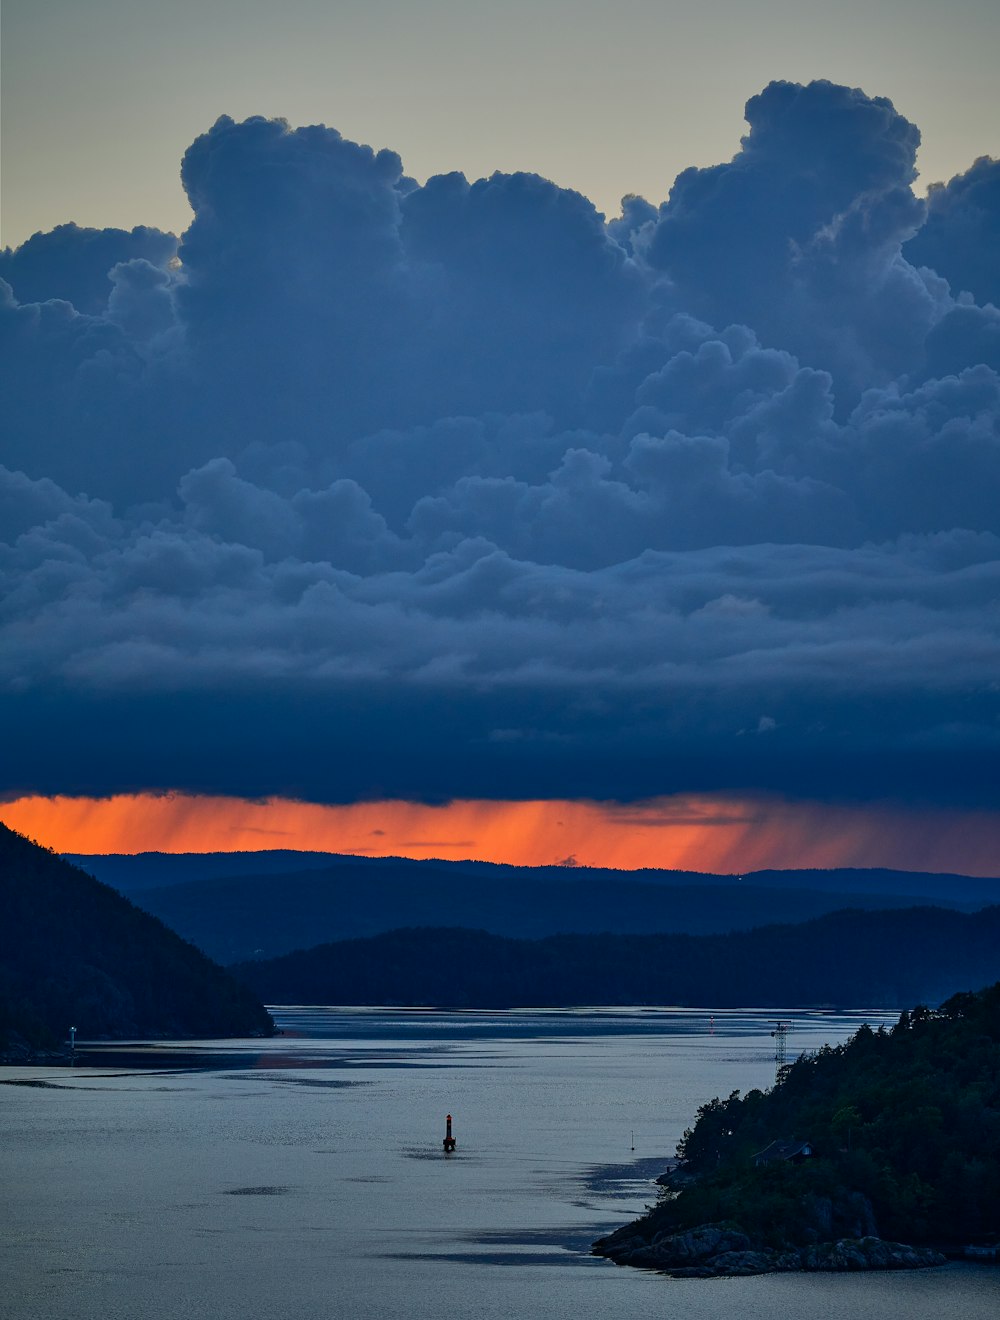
(883,1153)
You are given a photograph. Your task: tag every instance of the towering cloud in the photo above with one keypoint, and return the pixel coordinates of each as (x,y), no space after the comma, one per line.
(369,488)
(962,232)
(75,265)
(799,235)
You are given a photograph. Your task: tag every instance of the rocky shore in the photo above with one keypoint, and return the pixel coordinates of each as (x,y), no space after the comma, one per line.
(714,1250)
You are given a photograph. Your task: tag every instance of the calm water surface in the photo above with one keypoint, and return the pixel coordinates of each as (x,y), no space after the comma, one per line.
(304,1176)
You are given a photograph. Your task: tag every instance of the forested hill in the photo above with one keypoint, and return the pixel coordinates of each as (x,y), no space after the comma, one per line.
(75,953)
(266,915)
(852,958)
(132,873)
(904,1128)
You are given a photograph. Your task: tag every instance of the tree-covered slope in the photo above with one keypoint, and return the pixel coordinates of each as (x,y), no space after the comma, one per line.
(905,1131)
(264,916)
(237,906)
(888,959)
(75,953)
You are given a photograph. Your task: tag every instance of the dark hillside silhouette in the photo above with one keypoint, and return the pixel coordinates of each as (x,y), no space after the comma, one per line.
(852,958)
(264,915)
(75,953)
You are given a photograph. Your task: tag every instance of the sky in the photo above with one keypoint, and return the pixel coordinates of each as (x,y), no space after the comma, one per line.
(370,471)
(102,97)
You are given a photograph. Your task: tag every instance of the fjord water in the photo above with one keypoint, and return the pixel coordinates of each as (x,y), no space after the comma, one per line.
(305,1176)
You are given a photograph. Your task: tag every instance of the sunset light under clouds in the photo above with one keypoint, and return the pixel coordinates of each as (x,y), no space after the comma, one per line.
(697,833)
(667,538)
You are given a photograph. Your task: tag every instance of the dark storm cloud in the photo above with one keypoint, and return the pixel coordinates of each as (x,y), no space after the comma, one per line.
(74,264)
(961,235)
(457,490)
(799,235)
(529,290)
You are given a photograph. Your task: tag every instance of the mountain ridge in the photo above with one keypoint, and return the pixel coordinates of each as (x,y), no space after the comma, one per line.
(237,916)
(885,959)
(129,871)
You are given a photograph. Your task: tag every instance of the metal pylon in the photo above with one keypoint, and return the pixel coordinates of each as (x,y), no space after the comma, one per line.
(780,1034)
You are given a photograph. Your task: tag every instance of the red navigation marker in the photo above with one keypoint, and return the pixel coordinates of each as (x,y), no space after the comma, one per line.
(449,1140)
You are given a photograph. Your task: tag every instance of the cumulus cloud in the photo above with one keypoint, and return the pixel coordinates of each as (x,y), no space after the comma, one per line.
(799,235)
(74,264)
(375,489)
(962,232)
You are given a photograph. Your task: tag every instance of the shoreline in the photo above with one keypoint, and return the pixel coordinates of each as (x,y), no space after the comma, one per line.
(711,1251)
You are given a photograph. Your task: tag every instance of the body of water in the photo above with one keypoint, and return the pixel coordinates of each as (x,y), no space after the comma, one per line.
(305,1176)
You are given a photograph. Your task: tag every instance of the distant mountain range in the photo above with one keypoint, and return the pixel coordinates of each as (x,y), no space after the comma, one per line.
(73,952)
(237,906)
(130,872)
(845,959)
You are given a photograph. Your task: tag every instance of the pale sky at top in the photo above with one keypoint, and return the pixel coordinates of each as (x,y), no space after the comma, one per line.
(101,97)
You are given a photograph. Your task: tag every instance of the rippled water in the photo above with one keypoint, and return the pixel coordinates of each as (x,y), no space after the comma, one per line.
(305,1176)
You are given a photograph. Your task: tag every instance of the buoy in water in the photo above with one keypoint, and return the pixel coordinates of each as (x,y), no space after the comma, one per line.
(449,1140)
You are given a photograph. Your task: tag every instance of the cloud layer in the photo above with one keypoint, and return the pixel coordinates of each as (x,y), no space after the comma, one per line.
(367,489)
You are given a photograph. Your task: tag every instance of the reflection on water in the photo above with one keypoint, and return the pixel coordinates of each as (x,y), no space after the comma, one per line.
(304,1176)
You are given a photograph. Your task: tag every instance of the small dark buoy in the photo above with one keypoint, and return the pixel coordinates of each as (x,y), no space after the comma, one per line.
(449,1140)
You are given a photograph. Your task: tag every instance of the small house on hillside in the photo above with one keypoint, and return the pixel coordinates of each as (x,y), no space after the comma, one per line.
(795,1151)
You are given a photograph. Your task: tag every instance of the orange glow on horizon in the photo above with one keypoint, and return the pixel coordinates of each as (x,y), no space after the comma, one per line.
(694,833)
